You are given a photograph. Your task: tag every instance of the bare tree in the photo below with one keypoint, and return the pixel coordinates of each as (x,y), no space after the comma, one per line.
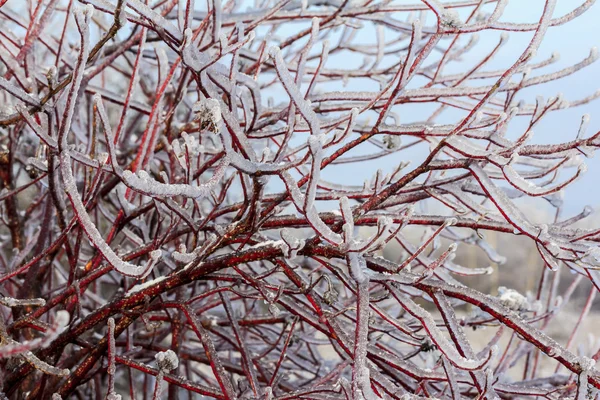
(169,216)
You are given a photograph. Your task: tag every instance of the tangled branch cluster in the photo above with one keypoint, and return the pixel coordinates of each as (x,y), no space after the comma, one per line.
(167,217)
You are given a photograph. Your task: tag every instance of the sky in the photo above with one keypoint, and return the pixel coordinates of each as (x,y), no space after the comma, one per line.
(573,42)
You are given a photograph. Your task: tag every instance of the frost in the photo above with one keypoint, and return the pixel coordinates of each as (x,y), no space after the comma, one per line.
(187,258)
(274,310)
(44,366)
(111,348)
(37,128)
(218,20)
(12,302)
(166,361)
(587,365)
(451,18)
(513,300)
(392,142)
(501,200)
(208,112)
(448,18)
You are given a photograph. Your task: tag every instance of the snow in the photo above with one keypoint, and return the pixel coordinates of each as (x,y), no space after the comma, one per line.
(139,287)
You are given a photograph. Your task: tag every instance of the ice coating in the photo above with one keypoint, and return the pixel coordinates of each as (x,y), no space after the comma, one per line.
(144,183)
(88,226)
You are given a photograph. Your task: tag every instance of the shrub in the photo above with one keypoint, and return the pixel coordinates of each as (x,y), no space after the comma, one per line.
(174,211)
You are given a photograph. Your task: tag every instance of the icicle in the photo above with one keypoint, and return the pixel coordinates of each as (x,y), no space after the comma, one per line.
(82,17)
(468,149)
(452,383)
(111,370)
(348,226)
(380,34)
(315,145)
(384,225)
(309,210)
(530,188)
(587,365)
(111,348)
(585,122)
